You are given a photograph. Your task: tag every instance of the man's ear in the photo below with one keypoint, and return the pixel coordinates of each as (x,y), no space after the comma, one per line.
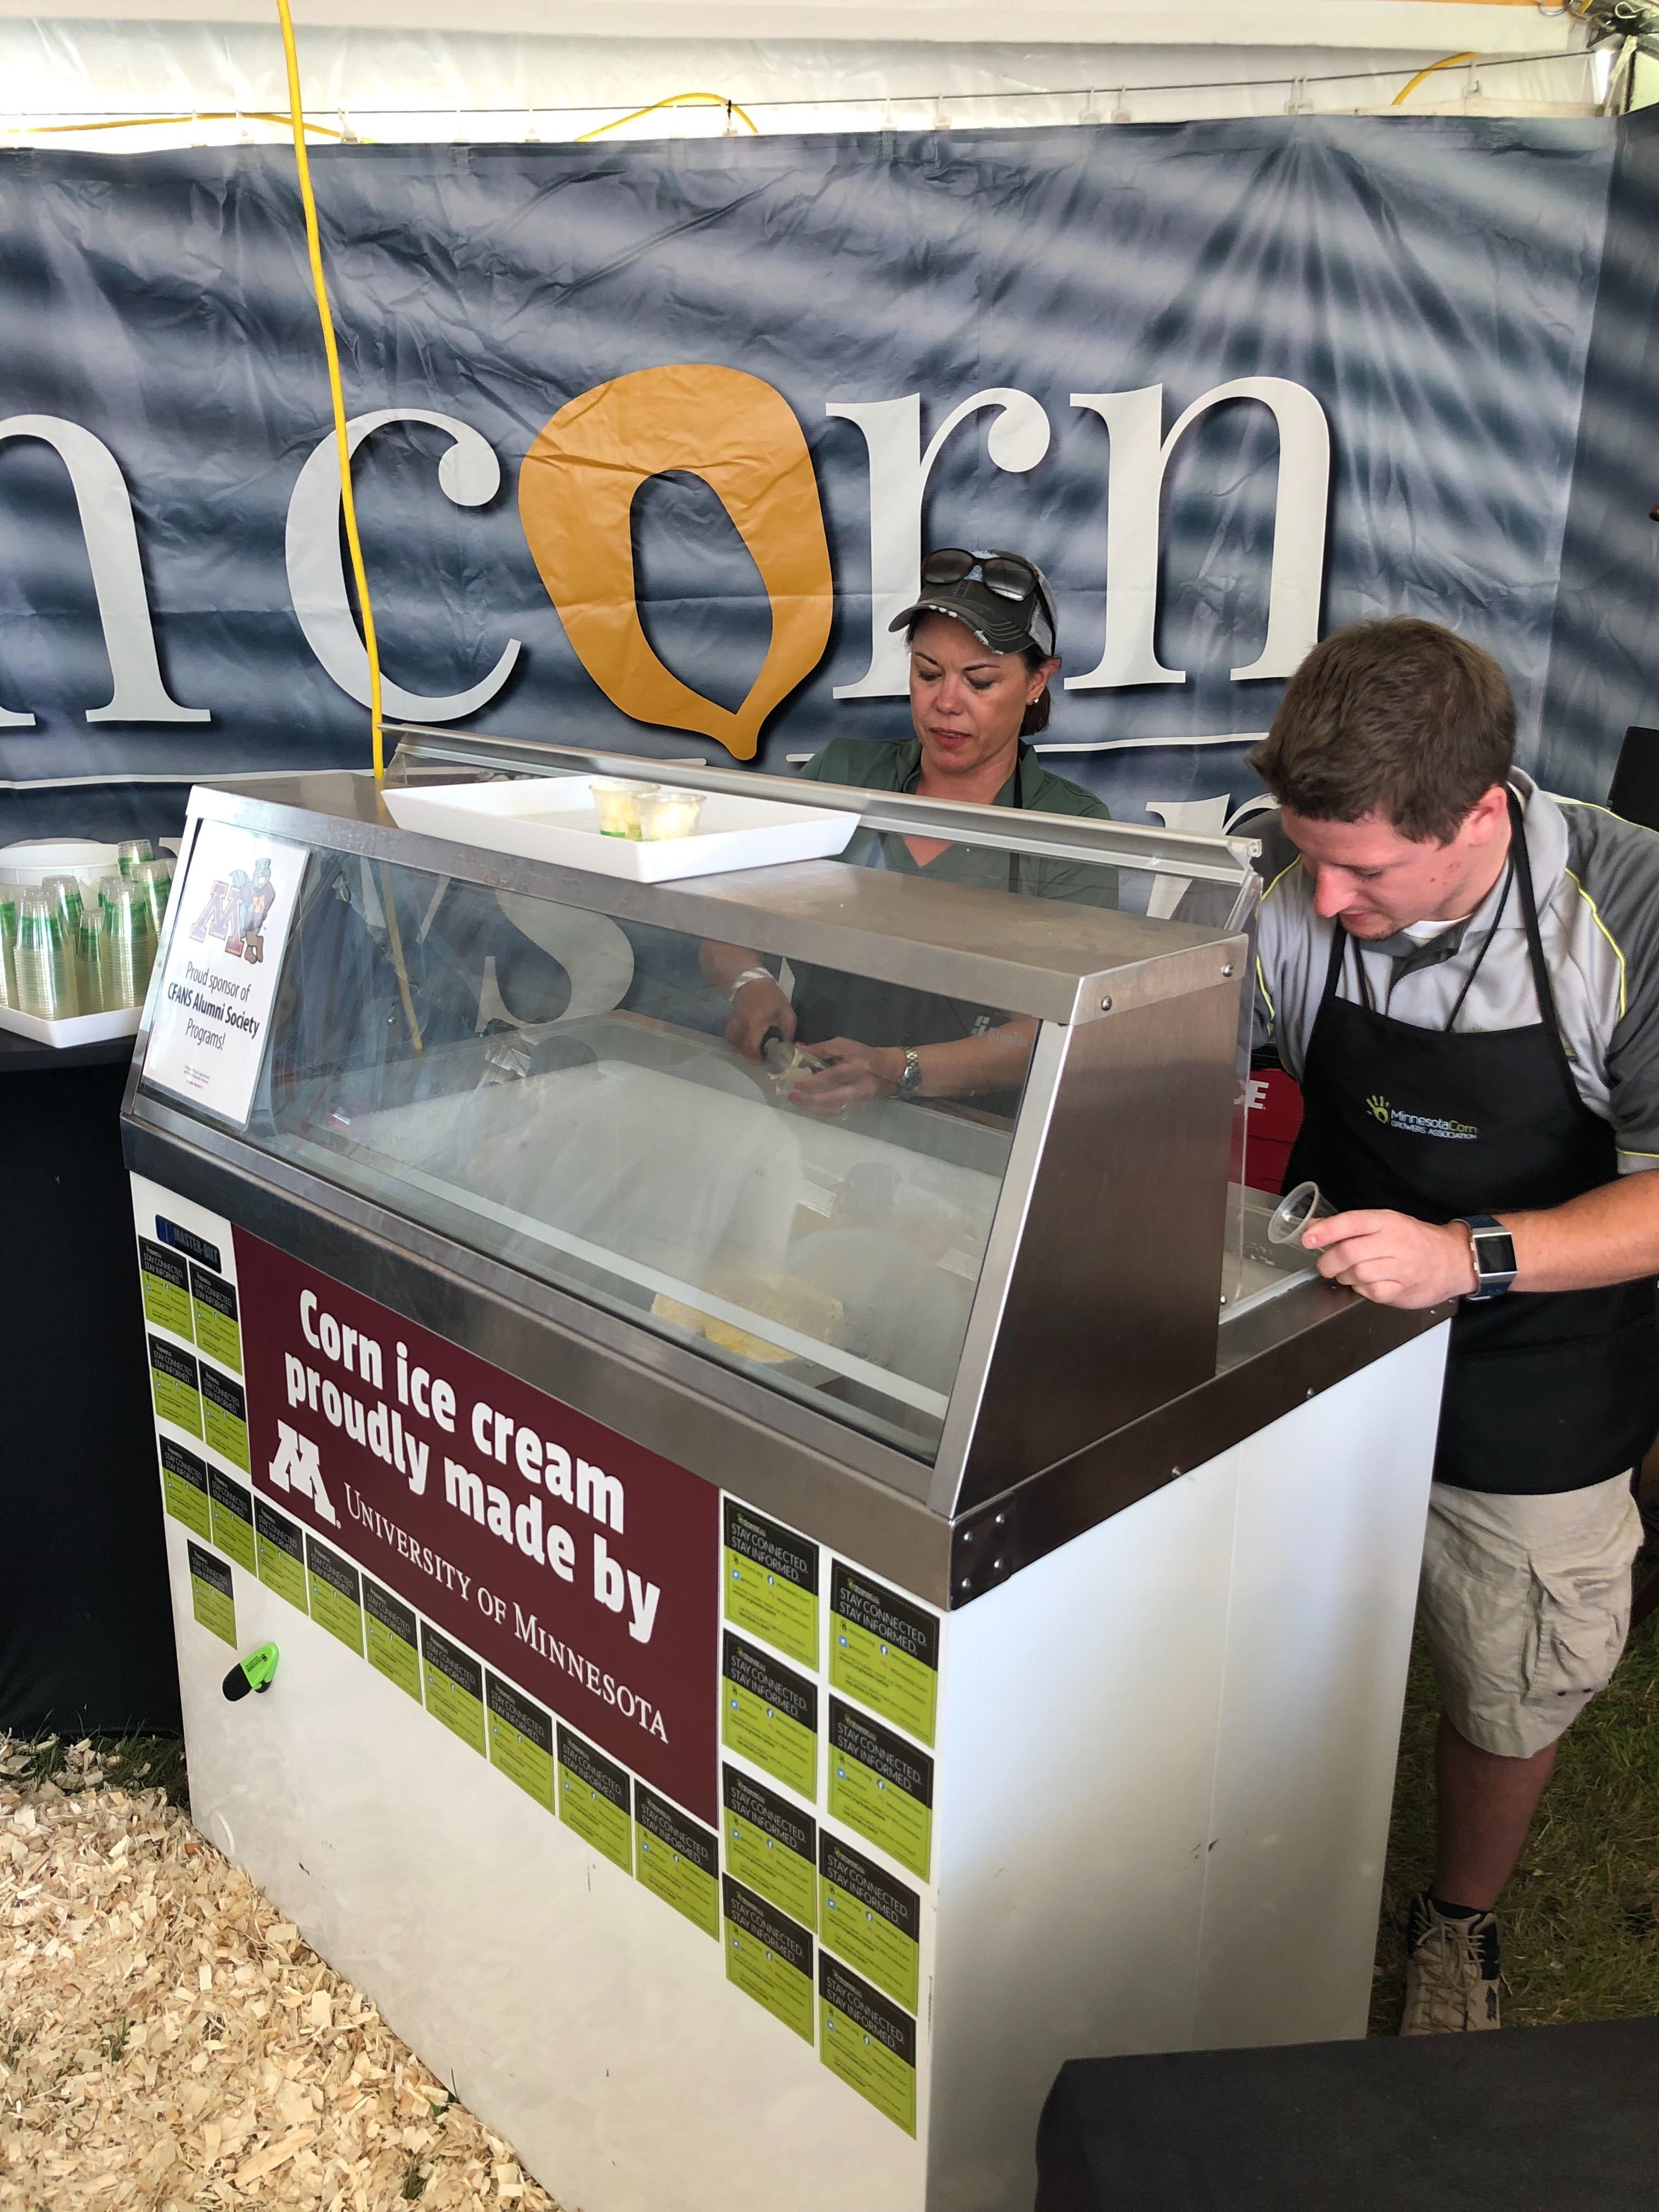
(1487,815)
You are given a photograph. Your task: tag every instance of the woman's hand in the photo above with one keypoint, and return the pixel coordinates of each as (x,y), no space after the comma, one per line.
(852,1075)
(758,1007)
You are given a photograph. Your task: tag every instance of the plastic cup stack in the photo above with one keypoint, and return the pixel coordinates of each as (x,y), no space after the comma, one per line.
(91,938)
(156,878)
(46,961)
(130,949)
(64,892)
(129,855)
(8,949)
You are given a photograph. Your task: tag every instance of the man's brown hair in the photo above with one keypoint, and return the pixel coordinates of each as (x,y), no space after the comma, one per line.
(1401,718)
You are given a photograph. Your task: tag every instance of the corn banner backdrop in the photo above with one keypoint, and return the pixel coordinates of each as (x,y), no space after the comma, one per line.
(649,438)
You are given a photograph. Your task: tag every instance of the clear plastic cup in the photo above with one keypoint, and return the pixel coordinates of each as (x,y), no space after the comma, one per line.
(157,879)
(64,892)
(1298,1210)
(8,950)
(129,948)
(617,805)
(665,812)
(91,936)
(46,961)
(131,852)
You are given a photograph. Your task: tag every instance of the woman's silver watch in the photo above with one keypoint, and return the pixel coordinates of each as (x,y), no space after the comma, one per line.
(910,1081)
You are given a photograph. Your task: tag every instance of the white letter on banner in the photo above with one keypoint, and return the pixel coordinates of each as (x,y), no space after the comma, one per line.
(298,1467)
(1140,458)
(899,470)
(468,475)
(118,576)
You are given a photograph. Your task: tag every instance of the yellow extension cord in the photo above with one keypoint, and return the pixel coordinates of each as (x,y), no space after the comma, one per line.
(348,504)
(1450,62)
(320,285)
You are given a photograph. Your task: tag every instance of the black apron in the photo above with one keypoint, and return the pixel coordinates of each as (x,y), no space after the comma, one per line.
(1544,1390)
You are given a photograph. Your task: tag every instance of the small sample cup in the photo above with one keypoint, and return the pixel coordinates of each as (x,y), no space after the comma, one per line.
(617,805)
(1298,1210)
(131,852)
(665,812)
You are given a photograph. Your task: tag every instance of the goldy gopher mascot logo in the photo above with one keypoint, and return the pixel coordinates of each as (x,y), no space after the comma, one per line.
(576,493)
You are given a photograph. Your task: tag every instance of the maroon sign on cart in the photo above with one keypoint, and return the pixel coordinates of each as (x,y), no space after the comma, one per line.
(580,1565)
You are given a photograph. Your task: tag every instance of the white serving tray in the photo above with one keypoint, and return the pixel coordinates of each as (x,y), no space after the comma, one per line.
(77,1029)
(552,819)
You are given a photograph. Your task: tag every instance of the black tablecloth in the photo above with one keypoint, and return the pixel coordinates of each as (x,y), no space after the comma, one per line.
(86,1628)
(1540,2119)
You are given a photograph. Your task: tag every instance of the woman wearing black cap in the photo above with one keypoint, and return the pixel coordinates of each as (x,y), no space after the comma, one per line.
(982,636)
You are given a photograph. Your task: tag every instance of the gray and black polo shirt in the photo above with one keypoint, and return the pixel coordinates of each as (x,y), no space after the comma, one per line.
(1596,878)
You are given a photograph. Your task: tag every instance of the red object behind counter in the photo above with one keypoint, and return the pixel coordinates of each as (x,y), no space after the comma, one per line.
(1273,1117)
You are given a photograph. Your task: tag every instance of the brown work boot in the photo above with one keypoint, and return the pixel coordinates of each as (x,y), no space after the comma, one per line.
(1451,1972)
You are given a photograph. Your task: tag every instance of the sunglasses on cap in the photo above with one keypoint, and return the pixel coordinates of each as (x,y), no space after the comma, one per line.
(1010,575)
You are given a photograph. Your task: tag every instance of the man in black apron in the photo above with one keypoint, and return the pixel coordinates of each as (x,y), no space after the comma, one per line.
(1463,973)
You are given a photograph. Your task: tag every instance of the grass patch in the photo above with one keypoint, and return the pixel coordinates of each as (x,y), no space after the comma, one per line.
(104,1762)
(1580,1919)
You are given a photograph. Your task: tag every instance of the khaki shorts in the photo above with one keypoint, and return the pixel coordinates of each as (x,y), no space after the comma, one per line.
(1526,1605)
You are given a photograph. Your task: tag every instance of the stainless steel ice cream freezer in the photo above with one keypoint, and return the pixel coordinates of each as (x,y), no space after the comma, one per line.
(790,1626)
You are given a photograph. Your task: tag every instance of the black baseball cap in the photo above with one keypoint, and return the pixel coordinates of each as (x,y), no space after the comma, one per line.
(1012,611)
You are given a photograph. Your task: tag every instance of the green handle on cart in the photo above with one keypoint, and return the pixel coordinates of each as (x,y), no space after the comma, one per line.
(256,1672)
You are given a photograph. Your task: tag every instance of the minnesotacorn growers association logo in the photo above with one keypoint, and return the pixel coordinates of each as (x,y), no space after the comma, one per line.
(1418,1124)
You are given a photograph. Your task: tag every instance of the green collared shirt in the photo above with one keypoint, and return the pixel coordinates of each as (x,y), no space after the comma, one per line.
(869,765)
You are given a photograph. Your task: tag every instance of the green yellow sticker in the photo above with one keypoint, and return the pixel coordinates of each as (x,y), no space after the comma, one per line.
(212,1595)
(868,2043)
(881,1787)
(520,1738)
(768,1957)
(594,1799)
(392,1638)
(676,1859)
(233,1519)
(454,1688)
(336,1594)
(164,1279)
(185,1488)
(769,1846)
(883,1650)
(770,1714)
(224,1415)
(870,1918)
(213,1309)
(279,1554)
(772,1583)
(175,1385)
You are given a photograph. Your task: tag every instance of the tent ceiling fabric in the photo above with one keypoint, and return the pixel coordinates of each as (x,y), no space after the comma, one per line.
(1443,26)
(401,83)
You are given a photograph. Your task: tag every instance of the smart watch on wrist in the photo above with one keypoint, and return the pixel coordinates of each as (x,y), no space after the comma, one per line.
(910,1081)
(1493,1251)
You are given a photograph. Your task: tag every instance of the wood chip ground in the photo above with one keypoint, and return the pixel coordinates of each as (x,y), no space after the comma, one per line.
(166,2040)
